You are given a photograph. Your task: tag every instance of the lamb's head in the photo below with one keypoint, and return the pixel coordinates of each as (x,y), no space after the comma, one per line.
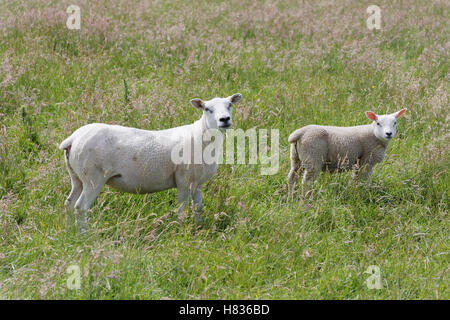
(218,111)
(384,126)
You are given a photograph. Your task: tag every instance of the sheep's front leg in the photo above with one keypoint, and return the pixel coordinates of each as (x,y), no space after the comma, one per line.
(183,196)
(77,188)
(364,171)
(197,204)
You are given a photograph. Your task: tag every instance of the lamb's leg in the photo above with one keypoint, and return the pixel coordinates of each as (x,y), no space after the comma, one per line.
(313,159)
(90,192)
(365,172)
(364,169)
(310,175)
(197,204)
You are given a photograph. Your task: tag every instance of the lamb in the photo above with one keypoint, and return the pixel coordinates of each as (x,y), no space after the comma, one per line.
(142,161)
(315,148)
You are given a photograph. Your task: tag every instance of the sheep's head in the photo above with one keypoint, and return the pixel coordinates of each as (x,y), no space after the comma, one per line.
(384,126)
(218,111)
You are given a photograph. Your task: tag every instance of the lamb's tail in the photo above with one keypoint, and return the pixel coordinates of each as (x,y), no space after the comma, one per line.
(297,134)
(295,160)
(293,140)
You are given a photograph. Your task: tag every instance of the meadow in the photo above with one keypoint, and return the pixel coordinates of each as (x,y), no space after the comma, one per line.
(138,63)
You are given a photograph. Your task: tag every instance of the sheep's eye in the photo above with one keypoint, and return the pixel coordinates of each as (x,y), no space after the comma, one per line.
(207,109)
(378,124)
(395,123)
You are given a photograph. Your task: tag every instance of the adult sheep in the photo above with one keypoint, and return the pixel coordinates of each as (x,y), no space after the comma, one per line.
(317,148)
(142,161)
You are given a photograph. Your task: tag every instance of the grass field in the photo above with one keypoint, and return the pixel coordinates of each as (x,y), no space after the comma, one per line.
(138,63)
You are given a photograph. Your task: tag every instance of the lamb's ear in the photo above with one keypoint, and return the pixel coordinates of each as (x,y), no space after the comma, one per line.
(198,103)
(235,98)
(398,114)
(372,116)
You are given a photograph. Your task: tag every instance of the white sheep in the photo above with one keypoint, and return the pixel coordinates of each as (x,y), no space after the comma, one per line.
(315,148)
(141,161)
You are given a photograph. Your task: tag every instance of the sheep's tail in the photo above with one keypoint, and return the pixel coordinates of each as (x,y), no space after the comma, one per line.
(66,144)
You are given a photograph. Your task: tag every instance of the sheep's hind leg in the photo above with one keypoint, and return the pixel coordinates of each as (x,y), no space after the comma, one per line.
(293,175)
(309,177)
(197,204)
(90,192)
(293,179)
(312,160)
(77,188)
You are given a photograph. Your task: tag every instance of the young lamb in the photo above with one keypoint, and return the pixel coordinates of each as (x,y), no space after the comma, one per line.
(315,148)
(141,161)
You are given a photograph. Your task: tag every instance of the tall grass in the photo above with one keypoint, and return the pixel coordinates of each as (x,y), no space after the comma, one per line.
(138,63)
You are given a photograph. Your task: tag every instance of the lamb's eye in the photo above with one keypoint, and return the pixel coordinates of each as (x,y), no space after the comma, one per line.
(395,123)
(378,124)
(207,109)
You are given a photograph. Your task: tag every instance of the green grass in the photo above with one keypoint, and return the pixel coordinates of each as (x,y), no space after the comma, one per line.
(295,63)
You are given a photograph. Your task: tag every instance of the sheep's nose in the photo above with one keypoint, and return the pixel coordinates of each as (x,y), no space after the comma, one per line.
(389,134)
(224,119)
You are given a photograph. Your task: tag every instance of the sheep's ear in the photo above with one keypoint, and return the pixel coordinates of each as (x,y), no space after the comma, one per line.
(400,113)
(198,103)
(372,116)
(235,98)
